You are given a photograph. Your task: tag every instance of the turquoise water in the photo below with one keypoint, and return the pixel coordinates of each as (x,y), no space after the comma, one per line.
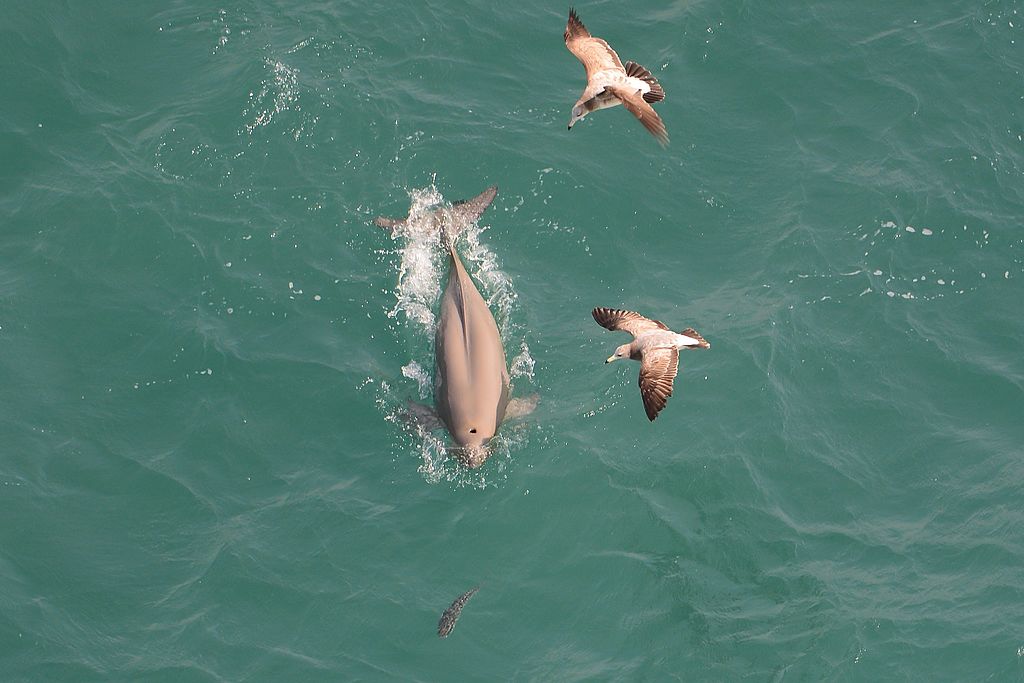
(205,344)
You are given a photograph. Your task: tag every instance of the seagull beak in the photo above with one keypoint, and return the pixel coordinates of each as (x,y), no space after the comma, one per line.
(610,359)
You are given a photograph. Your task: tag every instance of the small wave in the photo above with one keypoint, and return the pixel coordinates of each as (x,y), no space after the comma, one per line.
(277,93)
(904,262)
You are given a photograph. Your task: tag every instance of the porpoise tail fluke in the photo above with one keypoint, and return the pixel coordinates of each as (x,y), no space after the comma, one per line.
(464,213)
(656,93)
(451,221)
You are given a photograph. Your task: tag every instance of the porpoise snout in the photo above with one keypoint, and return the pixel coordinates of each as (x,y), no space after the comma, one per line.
(473,456)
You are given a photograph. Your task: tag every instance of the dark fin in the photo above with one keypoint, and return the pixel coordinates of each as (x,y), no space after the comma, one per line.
(694,334)
(451,615)
(574,28)
(657,94)
(389,223)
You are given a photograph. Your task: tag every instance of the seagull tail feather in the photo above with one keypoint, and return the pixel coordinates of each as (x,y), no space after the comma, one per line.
(657,93)
(694,334)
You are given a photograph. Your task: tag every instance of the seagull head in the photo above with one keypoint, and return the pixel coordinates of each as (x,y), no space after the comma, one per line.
(621,352)
(578,112)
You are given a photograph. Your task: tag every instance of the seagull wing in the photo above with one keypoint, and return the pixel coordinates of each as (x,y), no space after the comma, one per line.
(595,54)
(657,370)
(629,321)
(635,103)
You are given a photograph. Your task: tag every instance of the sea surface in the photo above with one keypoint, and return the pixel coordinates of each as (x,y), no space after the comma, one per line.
(206,346)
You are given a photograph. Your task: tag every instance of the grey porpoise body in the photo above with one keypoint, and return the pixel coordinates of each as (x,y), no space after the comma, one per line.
(471,382)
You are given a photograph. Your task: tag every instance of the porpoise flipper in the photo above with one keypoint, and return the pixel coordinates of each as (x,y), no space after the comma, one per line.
(421,415)
(521,407)
(389,223)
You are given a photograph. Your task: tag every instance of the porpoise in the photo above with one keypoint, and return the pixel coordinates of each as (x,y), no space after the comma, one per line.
(471,381)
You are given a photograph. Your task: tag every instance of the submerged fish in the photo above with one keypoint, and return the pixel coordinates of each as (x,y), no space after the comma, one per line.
(451,615)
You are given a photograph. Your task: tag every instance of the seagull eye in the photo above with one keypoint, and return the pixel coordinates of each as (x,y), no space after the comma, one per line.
(473,430)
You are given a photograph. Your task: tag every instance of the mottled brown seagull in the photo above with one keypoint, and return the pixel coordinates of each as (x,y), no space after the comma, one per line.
(657,349)
(610,83)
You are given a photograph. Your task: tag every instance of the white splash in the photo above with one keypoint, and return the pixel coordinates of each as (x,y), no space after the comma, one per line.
(522,365)
(278,93)
(419,272)
(415,371)
(436,465)
(494,284)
